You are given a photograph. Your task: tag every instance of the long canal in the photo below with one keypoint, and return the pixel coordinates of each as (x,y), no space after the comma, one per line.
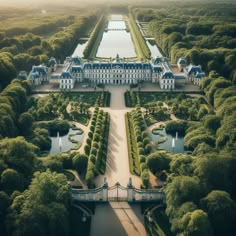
(116,39)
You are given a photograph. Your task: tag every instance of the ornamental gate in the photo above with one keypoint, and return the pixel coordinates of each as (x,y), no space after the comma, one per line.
(117,193)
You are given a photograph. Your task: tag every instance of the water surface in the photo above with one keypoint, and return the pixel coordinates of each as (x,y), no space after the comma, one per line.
(66,144)
(167,145)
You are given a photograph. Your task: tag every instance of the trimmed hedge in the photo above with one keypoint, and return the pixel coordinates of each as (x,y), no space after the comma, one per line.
(97,151)
(139,144)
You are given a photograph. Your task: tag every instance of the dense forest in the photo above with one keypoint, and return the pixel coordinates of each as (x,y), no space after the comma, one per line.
(31,38)
(200,190)
(204,33)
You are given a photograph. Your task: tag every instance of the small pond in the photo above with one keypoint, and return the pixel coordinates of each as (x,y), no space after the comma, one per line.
(66,144)
(167,145)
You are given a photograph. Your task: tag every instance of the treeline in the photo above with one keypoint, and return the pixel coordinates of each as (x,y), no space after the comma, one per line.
(37,25)
(20,50)
(217,130)
(203,33)
(93,38)
(13,100)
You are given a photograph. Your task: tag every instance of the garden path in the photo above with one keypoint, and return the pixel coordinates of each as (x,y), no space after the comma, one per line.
(117,165)
(117,218)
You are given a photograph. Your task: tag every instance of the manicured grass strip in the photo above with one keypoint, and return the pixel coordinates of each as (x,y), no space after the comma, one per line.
(139,42)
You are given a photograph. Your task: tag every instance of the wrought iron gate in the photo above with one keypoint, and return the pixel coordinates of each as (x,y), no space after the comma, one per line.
(117,193)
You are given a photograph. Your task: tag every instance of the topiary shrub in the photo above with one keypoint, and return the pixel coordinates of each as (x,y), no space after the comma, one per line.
(145,178)
(138,138)
(145,134)
(146,141)
(141,151)
(92,158)
(96,137)
(89,141)
(93,151)
(143,167)
(142,159)
(140,145)
(87,149)
(148,148)
(92,128)
(95,145)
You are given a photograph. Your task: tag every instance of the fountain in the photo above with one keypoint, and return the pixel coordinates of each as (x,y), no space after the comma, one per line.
(176,136)
(173,144)
(60,143)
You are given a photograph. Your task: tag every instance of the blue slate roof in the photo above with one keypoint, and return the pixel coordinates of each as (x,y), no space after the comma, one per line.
(182,61)
(157,69)
(167,75)
(76,60)
(114,65)
(52,61)
(66,75)
(193,70)
(157,60)
(76,69)
(41,70)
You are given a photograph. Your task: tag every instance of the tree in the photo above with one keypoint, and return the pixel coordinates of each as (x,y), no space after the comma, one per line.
(158,161)
(80,163)
(42,209)
(175,214)
(11,180)
(221,210)
(212,123)
(4,204)
(18,154)
(195,223)
(214,172)
(25,123)
(182,165)
(182,189)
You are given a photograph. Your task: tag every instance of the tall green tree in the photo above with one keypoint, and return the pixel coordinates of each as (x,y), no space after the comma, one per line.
(221,210)
(42,209)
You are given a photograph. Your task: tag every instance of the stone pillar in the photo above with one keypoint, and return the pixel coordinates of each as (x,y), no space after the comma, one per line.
(105,190)
(130,190)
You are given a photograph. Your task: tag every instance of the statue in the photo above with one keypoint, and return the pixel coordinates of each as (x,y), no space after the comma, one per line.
(130,185)
(105,184)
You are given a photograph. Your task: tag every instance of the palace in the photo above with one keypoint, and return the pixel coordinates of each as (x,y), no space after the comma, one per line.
(116,72)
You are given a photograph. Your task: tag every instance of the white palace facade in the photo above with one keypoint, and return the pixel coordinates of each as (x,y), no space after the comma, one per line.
(117,72)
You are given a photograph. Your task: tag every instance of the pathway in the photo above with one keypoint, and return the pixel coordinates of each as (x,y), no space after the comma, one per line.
(117,165)
(117,218)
